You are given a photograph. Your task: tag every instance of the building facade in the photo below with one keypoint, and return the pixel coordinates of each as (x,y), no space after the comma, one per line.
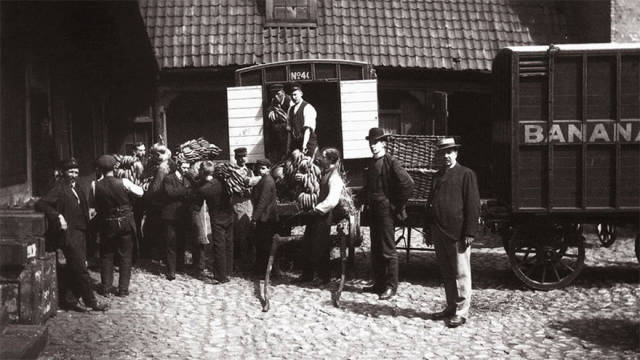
(73,77)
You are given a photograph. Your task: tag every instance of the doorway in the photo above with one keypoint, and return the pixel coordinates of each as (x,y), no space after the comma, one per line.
(325,98)
(194,115)
(470,119)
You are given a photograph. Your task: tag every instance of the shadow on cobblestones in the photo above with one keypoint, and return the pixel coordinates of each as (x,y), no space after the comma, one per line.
(381,310)
(611,275)
(617,334)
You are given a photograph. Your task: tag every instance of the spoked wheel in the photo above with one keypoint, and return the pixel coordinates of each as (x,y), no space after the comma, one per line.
(606,234)
(546,258)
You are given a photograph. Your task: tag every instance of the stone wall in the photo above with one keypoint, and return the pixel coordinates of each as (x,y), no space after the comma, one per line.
(625,21)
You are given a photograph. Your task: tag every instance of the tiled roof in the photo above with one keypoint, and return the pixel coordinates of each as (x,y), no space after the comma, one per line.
(436,34)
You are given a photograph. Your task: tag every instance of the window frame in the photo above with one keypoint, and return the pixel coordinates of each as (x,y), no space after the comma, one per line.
(311,21)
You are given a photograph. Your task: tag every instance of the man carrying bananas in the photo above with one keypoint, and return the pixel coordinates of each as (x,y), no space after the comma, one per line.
(316,245)
(387,189)
(243,208)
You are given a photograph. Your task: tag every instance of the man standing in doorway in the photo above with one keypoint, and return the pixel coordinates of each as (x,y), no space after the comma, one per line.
(302,118)
(387,189)
(277,131)
(454,212)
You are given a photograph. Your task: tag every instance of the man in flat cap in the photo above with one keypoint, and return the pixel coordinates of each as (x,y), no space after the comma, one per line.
(65,206)
(302,119)
(116,224)
(243,208)
(453,214)
(263,196)
(387,189)
(277,127)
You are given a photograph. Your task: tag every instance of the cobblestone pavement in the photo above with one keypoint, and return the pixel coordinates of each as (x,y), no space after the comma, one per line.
(597,317)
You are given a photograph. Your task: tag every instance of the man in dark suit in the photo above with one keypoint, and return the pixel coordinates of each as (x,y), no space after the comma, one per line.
(263,197)
(65,206)
(176,214)
(387,189)
(221,216)
(277,131)
(454,212)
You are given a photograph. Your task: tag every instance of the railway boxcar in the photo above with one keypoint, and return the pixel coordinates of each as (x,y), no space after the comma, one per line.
(566,151)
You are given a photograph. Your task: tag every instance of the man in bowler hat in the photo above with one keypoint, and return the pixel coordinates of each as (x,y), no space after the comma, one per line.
(65,207)
(387,189)
(453,214)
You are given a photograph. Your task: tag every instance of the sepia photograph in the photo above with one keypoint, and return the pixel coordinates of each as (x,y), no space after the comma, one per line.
(319,179)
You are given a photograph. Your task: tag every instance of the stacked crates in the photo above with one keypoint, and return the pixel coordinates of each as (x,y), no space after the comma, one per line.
(28,282)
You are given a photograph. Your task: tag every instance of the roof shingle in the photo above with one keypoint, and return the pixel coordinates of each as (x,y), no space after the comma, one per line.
(445,34)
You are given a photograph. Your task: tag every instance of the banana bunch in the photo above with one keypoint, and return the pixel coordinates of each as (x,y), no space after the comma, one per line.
(197,150)
(307,201)
(308,198)
(124,168)
(233,177)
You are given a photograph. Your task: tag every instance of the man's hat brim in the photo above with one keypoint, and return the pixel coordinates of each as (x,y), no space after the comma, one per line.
(449,146)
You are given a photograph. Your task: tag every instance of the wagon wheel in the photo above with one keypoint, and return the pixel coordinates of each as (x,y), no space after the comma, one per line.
(606,234)
(546,258)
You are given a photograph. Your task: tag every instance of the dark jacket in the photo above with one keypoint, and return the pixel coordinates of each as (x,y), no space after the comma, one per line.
(176,195)
(263,197)
(61,200)
(114,207)
(218,202)
(455,202)
(397,184)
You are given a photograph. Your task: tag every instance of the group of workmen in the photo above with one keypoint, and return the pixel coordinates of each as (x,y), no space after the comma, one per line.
(453,212)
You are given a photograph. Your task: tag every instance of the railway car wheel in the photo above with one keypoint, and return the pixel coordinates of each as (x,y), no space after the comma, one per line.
(606,234)
(546,258)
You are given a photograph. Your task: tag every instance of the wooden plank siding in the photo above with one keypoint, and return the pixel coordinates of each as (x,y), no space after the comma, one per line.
(359,107)
(246,121)
(575,129)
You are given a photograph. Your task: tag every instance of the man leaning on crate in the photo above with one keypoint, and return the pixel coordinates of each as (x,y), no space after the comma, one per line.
(387,189)
(65,207)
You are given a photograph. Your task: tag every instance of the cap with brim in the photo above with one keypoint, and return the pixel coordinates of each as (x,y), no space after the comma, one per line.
(264,162)
(375,134)
(106,162)
(67,164)
(447,143)
(241,151)
(276,87)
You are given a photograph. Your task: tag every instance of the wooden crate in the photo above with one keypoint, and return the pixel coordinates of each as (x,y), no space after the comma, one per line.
(21,223)
(30,296)
(16,253)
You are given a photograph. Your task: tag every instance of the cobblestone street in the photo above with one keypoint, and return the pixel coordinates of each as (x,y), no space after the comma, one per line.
(597,317)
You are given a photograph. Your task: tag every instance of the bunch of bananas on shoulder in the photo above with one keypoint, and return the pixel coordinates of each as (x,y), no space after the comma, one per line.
(233,176)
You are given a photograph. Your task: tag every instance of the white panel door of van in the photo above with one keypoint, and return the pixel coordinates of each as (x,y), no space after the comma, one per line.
(244,105)
(359,104)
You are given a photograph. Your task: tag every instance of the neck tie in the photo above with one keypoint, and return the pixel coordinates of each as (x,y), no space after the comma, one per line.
(73,190)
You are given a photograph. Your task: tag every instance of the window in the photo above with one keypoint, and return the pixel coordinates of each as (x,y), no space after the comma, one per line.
(291,12)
